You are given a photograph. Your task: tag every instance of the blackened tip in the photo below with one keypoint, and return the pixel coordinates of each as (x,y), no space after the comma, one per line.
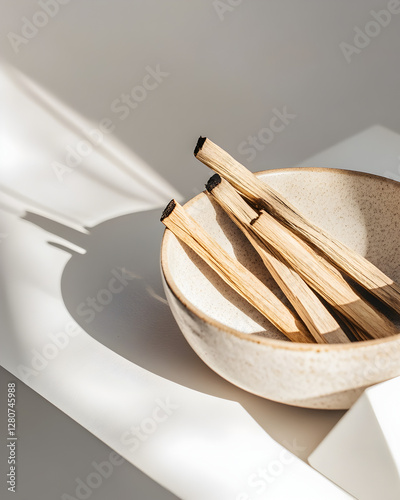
(168,210)
(213,182)
(199,145)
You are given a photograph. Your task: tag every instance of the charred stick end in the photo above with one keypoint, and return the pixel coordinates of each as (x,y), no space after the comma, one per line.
(213,182)
(168,210)
(199,145)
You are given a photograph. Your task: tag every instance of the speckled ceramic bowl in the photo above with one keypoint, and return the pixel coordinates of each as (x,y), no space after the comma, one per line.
(242,346)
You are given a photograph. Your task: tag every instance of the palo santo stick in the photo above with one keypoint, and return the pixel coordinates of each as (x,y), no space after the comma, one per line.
(329,284)
(357,333)
(235,274)
(334,289)
(263,196)
(321,324)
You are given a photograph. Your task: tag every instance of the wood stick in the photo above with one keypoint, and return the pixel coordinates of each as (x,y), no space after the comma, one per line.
(333,288)
(357,332)
(233,273)
(263,196)
(321,324)
(329,284)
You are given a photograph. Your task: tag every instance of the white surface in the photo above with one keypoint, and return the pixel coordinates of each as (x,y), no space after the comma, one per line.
(225,79)
(362,452)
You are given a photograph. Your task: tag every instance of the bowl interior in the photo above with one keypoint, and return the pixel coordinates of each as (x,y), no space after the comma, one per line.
(362,210)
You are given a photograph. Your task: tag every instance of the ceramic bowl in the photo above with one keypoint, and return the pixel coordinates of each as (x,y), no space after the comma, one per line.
(238,343)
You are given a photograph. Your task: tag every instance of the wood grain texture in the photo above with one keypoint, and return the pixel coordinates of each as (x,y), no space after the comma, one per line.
(263,196)
(330,285)
(234,274)
(321,324)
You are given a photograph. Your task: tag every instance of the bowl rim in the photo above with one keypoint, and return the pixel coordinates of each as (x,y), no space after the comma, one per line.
(274,343)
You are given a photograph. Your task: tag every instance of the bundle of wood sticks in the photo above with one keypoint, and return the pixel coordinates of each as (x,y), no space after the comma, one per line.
(306,262)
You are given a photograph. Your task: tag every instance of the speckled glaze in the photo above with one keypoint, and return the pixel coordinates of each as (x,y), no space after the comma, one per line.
(238,343)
